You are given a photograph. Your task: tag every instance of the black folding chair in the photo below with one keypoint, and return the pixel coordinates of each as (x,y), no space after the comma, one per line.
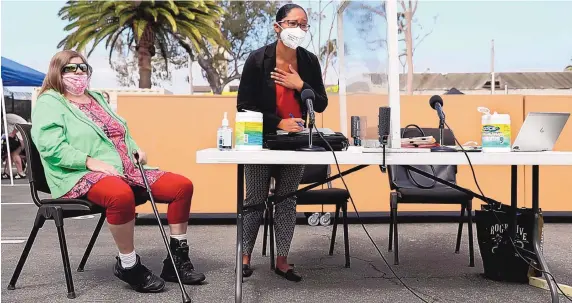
(410,187)
(328,196)
(53,209)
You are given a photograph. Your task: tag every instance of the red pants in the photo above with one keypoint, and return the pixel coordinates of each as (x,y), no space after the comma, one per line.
(118,198)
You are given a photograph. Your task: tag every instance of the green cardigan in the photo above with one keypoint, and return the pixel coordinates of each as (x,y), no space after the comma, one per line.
(65,136)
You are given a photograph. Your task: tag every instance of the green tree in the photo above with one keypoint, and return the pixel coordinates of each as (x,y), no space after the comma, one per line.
(326,49)
(411,32)
(246,26)
(147,25)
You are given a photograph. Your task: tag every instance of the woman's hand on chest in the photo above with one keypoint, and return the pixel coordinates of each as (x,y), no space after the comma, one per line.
(289,79)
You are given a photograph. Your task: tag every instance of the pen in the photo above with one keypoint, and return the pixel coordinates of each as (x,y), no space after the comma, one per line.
(299,123)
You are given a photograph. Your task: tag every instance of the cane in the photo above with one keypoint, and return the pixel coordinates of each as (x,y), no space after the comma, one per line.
(186,298)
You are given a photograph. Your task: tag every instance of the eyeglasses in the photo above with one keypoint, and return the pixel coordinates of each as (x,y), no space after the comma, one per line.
(294,23)
(72,68)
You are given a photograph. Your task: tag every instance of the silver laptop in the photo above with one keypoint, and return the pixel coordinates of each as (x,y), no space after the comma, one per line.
(540,132)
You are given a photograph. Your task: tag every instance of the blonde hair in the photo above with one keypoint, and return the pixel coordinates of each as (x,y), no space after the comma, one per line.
(53,79)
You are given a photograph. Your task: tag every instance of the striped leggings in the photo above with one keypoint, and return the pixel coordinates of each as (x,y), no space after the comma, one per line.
(257,179)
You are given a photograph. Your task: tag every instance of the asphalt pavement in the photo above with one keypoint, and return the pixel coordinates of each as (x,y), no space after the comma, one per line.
(429,266)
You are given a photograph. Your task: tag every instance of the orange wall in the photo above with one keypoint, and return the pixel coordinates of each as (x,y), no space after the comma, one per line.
(554,180)
(370,189)
(172,128)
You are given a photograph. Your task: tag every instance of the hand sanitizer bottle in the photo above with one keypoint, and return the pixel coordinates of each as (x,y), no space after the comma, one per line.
(224,135)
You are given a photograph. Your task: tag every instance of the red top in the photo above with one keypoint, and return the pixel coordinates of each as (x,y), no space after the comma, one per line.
(286,103)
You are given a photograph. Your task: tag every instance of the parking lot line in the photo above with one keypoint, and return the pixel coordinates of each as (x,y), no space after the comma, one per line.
(13,240)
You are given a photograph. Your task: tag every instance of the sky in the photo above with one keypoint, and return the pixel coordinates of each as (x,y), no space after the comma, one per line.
(529,36)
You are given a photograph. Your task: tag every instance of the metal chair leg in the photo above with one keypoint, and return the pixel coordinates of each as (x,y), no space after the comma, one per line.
(460,231)
(395,230)
(38,223)
(271,231)
(59,220)
(470,223)
(390,246)
(91,243)
(346,236)
(334,230)
(265,238)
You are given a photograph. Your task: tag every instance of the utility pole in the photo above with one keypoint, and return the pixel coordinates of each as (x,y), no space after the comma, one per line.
(493,85)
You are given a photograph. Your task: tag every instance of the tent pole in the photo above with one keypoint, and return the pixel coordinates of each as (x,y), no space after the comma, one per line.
(4,121)
(393,72)
(342,68)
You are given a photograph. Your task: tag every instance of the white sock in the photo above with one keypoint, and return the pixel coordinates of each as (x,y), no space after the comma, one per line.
(180,237)
(128,260)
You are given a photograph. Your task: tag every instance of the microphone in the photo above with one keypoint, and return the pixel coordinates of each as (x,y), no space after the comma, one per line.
(384,124)
(383,129)
(436,103)
(356,130)
(308,96)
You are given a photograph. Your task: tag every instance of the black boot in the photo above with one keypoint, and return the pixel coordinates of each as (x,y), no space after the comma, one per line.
(180,251)
(139,277)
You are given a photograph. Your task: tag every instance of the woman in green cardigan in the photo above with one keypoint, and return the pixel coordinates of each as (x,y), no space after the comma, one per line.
(86,151)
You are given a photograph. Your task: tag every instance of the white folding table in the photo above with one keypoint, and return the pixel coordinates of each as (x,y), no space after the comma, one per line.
(361,160)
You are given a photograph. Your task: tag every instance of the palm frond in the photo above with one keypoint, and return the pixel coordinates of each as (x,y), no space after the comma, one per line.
(192,24)
(122,6)
(173,7)
(162,43)
(139,27)
(168,17)
(114,41)
(126,18)
(101,35)
(151,12)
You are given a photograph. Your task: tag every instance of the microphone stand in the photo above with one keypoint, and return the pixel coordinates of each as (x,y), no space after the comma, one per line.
(311,147)
(383,142)
(442,148)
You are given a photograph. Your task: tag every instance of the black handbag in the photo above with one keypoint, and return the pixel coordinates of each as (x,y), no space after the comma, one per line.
(337,141)
(426,183)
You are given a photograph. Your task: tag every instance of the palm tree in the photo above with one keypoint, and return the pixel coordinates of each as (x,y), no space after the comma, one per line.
(147,25)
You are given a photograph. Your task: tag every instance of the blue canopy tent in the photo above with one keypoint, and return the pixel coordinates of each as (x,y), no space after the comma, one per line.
(16,74)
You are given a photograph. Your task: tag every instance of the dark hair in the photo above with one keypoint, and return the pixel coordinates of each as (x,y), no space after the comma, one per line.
(285,10)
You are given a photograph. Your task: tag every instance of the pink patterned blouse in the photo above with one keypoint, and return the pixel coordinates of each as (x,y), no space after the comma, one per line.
(115,131)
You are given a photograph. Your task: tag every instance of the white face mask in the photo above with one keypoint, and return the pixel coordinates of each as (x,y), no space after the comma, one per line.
(292,37)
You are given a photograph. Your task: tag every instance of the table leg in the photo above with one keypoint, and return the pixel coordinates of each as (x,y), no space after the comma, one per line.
(239,231)
(537,235)
(513,200)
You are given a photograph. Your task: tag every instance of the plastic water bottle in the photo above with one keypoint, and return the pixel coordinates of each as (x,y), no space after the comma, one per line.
(224,135)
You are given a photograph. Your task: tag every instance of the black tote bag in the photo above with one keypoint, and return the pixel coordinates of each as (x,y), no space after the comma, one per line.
(501,262)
